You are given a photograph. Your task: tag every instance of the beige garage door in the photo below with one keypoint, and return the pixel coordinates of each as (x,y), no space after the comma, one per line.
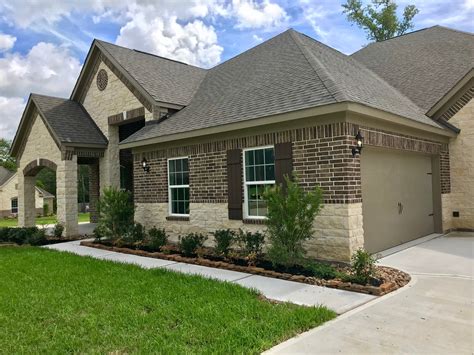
(397,197)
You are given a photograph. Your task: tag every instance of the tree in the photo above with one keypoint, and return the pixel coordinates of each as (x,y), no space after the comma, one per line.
(6,160)
(380,19)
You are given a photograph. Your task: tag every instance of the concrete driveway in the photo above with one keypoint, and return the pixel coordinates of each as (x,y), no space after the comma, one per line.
(432,315)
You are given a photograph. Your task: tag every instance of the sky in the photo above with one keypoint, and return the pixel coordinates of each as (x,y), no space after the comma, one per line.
(43,43)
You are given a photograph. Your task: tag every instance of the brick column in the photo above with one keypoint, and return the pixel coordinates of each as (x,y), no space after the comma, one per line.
(66,195)
(26,200)
(93,192)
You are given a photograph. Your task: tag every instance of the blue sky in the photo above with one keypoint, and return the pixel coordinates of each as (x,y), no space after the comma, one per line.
(43,43)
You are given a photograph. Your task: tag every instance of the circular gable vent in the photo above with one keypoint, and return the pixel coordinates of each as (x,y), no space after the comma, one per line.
(102,79)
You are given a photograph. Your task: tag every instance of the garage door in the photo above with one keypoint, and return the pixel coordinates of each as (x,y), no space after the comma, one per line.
(397,197)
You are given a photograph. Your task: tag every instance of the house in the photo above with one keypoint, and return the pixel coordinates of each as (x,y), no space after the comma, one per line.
(197,147)
(9,196)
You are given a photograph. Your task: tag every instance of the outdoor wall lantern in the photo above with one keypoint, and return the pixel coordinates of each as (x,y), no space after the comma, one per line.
(358,148)
(145,166)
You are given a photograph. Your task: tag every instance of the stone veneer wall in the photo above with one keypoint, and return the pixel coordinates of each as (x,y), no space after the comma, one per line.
(460,197)
(115,99)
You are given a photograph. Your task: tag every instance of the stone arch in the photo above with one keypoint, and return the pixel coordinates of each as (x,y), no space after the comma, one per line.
(33,167)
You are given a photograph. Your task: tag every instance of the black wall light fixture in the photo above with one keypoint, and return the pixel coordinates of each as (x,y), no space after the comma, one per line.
(145,166)
(359,141)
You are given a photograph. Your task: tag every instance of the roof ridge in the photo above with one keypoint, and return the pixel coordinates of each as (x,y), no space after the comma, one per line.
(317,67)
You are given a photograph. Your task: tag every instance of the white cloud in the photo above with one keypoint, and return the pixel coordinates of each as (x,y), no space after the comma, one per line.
(257,38)
(6,42)
(193,43)
(253,14)
(47,69)
(11,110)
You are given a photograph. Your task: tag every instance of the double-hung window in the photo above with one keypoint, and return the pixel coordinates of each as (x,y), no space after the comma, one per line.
(14,205)
(259,174)
(178,186)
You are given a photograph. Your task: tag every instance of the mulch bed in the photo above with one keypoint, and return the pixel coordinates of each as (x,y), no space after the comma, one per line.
(388,279)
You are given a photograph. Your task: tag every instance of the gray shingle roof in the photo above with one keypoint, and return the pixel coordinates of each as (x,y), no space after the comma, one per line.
(43,192)
(424,65)
(164,79)
(286,73)
(5,174)
(69,121)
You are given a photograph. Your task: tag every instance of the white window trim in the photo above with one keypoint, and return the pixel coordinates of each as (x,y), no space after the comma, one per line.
(11,205)
(245,183)
(174,186)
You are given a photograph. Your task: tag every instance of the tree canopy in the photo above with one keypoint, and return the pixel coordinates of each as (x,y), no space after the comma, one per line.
(6,160)
(380,19)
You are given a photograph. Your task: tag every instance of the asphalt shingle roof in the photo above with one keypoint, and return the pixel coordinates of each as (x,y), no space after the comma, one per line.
(69,120)
(5,174)
(164,79)
(423,65)
(286,73)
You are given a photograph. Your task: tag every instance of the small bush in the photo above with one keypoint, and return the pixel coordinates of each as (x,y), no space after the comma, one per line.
(363,266)
(58,230)
(290,219)
(21,235)
(45,209)
(224,239)
(4,235)
(189,244)
(37,238)
(136,234)
(157,238)
(99,233)
(251,243)
(115,213)
(322,271)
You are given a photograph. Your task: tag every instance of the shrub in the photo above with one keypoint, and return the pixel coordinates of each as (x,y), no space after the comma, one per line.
(189,244)
(135,234)
(36,238)
(21,235)
(290,219)
(99,232)
(115,213)
(224,239)
(4,235)
(45,209)
(58,230)
(363,266)
(157,238)
(322,271)
(251,243)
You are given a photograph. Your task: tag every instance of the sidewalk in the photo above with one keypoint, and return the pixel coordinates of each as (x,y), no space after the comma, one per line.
(280,290)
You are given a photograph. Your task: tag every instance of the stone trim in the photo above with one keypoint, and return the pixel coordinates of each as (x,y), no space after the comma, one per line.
(33,167)
(88,153)
(125,116)
(177,218)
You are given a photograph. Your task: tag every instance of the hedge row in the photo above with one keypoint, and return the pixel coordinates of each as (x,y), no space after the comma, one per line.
(25,235)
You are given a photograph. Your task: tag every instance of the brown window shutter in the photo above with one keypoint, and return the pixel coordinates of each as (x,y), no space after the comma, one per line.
(283,162)
(234,183)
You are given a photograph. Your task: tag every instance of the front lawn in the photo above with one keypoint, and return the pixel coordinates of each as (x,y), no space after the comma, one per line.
(13,222)
(53,302)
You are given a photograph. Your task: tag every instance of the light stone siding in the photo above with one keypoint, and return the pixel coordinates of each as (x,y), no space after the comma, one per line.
(116,98)
(461,150)
(7,192)
(338,228)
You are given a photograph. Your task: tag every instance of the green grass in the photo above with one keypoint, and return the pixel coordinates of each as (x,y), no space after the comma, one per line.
(53,302)
(13,222)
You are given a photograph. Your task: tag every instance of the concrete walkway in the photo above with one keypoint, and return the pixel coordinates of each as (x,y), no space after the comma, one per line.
(281,290)
(432,315)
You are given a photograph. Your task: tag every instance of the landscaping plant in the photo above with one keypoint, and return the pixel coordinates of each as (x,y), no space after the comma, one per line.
(115,213)
(37,238)
(224,239)
(136,234)
(363,266)
(58,230)
(290,219)
(251,243)
(189,244)
(157,238)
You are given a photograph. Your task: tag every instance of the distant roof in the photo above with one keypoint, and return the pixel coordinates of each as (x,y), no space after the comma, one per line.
(43,192)
(164,79)
(286,73)
(68,122)
(5,175)
(423,65)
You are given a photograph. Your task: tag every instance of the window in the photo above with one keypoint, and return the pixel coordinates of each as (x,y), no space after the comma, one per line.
(178,182)
(259,174)
(14,205)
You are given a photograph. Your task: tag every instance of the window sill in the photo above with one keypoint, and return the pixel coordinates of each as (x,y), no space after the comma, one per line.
(177,218)
(254,221)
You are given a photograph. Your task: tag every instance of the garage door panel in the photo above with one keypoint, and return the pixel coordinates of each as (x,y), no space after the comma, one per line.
(397,197)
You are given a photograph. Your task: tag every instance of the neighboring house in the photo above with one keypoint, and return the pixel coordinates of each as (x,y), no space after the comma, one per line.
(197,147)
(9,195)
